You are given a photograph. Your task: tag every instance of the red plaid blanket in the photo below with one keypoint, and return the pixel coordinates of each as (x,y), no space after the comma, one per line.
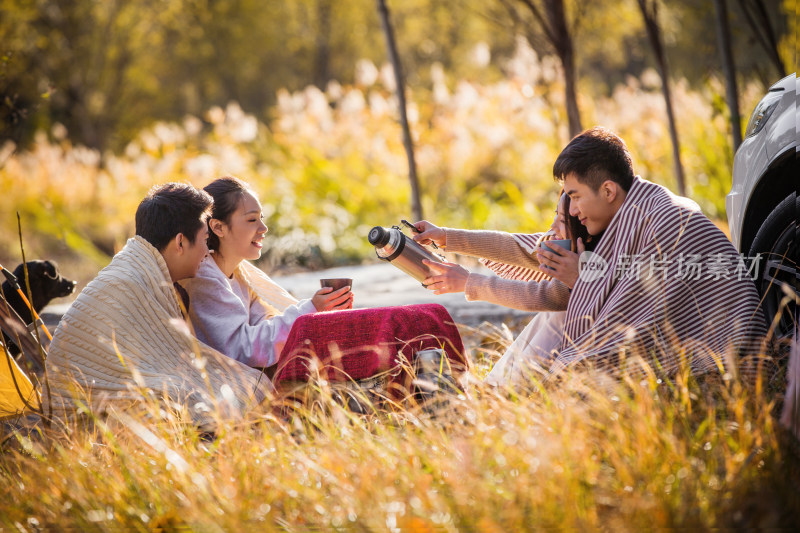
(357,344)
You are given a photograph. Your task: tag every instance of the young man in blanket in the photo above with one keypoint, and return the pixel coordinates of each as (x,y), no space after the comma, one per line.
(124,337)
(663,282)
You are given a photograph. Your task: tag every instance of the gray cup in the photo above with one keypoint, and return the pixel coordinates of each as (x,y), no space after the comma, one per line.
(563,243)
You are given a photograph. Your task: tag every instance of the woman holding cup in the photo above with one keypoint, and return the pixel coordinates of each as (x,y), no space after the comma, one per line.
(526,270)
(234,307)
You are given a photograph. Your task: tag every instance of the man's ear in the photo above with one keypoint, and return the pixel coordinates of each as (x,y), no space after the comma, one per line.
(609,189)
(178,243)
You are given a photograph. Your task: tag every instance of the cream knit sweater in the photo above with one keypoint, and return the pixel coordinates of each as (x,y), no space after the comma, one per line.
(124,337)
(545,295)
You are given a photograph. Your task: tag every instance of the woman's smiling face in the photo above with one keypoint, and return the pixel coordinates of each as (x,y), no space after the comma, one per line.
(243,234)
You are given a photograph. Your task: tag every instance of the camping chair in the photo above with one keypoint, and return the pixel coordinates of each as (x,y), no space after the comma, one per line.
(22,336)
(17,393)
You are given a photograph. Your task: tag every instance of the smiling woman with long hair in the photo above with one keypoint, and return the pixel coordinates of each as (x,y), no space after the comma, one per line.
(234,307)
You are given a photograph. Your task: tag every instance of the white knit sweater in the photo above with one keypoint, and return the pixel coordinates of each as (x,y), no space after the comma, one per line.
(230,316)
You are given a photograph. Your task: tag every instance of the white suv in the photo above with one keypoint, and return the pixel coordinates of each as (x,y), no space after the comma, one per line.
(763,204)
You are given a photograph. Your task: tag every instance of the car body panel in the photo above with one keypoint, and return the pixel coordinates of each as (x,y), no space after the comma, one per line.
(744,182)
(781,130)
(758,152)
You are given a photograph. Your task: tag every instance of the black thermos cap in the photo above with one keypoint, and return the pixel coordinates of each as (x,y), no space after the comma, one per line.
(378,237)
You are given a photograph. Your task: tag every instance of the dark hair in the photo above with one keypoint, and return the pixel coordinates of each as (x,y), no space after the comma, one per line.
(594,156)
(170,209)
(227,193)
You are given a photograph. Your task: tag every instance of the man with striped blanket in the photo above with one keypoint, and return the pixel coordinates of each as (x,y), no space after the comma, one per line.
(663,282)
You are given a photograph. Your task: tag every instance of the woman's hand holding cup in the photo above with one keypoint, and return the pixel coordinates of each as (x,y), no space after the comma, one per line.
(561,264)
(335,294)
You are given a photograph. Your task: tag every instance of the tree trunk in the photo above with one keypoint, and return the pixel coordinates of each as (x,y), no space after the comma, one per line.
(416,205)
(557,32)
(650,14)
(322,42)
(566,53)
(729,68)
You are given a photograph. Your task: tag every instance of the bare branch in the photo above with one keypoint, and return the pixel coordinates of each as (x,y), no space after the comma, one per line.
(757,18)
(537,14)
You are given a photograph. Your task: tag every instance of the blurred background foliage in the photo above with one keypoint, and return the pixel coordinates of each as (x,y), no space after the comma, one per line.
(101,99)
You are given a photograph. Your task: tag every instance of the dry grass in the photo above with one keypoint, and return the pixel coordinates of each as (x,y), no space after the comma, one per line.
(621,456)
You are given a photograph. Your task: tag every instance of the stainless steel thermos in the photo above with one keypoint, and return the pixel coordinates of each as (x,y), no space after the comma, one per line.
(394,246)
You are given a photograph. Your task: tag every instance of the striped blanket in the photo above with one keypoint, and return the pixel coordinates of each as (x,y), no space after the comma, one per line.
(663,283)
(529,243)
(124,336)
